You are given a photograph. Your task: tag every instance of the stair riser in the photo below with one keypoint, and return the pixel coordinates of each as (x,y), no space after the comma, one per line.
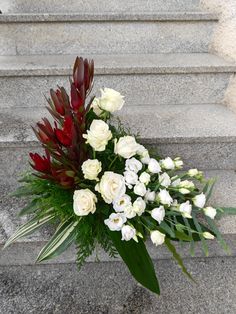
(100,6)
(104,37)
(138,89)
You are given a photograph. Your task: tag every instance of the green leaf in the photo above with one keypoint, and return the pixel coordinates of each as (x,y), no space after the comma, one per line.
(164,226)
(30,208)
(208,188)
(225,211)
(138,261)
(181,235)
(29,227)
(60,241)
(177,257)
(199,229)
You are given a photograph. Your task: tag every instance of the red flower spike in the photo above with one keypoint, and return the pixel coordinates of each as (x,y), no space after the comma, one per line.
(56,101)
(41,163)
(65,135)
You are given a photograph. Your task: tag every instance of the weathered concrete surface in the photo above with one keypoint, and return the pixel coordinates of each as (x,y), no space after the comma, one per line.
(108,288)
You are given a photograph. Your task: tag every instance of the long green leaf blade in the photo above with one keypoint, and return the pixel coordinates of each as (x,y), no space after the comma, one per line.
(199,229)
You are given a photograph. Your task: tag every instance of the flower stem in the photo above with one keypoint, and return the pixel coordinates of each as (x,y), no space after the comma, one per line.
(113,161)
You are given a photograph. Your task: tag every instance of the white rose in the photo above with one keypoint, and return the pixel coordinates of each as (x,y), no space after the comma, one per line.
(199,200)
(121,203)
(126,146)
(144,154)
(98,135)
(140,189)
(115,221)
(128,233)
(129,212)
(167,163)
(158,214)
(186,209)
(131,178)
(154,166)
(111,100)
(91,168)
(84,202)
(210,212)
(178,163)
(164,180)
(139,206)
(95,106)
(145,178)
(112,186)
(208,235)
(150,196)
(157,237)
(133,164)
(164,197)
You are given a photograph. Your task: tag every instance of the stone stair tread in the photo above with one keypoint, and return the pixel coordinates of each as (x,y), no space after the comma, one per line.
(159,63)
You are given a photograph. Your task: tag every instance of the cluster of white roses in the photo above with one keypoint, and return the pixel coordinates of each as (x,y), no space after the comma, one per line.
(128,193)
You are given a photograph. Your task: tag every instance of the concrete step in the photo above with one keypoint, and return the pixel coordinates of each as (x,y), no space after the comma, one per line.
(26,34)
(154,78)
(99,6)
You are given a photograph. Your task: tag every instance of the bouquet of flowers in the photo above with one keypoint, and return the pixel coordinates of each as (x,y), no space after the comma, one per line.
(99,186)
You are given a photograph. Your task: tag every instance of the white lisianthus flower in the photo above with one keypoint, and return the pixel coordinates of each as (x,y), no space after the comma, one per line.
(145,177)
(150,196)
(96,108)
(210,212)
(157,237)
(128,233)
(111,100)
(131,178)
(84,202)
(121,203)
(193,172)
(133,164)
(154,166)
(176,182)
(208,235)
(139,206)
(111,186)
(199,200)
(98,135)
(91,168)
(178,163)
(167,163)
(126,146)
(140,189)
(164,180)
(144,154)
(164,197)
(158,214)
(115,221)
(129,212)
(186,209)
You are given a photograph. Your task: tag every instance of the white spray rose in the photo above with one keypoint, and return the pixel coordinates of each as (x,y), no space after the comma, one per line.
(126,146)
(164,197)
(95,106)
(186,209)
(210,212)
(154,166)
(199,200)
(129,212)
(112,186)
(167,163)
(208,235)
(133,164)
(144,154)
(84,202)
(139,206)
(157,237)
(128,233)
(150,196)
(121,203)
(131,178)
(145,178)
(98,135)
(111,100)
(91,168)
(164,180)
(158,214)
(115,221)
(140,189)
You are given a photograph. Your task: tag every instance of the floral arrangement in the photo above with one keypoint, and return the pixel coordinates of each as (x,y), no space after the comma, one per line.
(99,186)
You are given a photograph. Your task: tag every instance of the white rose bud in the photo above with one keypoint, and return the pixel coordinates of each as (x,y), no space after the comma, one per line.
(164,197)
(84,202)
(158,214)
(115,221)
(98,135)
(121,203)
(187,184)
(111,186)
(154,166)
(126,146)
(167,163)
(199,200)
(144,154)
(128,233)
(91,168)
(140,189)
(131,178)
(96,108)
(157,237)
(150,196)
(164,180)
(210,212)
(133,164)
(208,235)
(139,206)
(176,182)
(145,178)
(186,209)
(111,100)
